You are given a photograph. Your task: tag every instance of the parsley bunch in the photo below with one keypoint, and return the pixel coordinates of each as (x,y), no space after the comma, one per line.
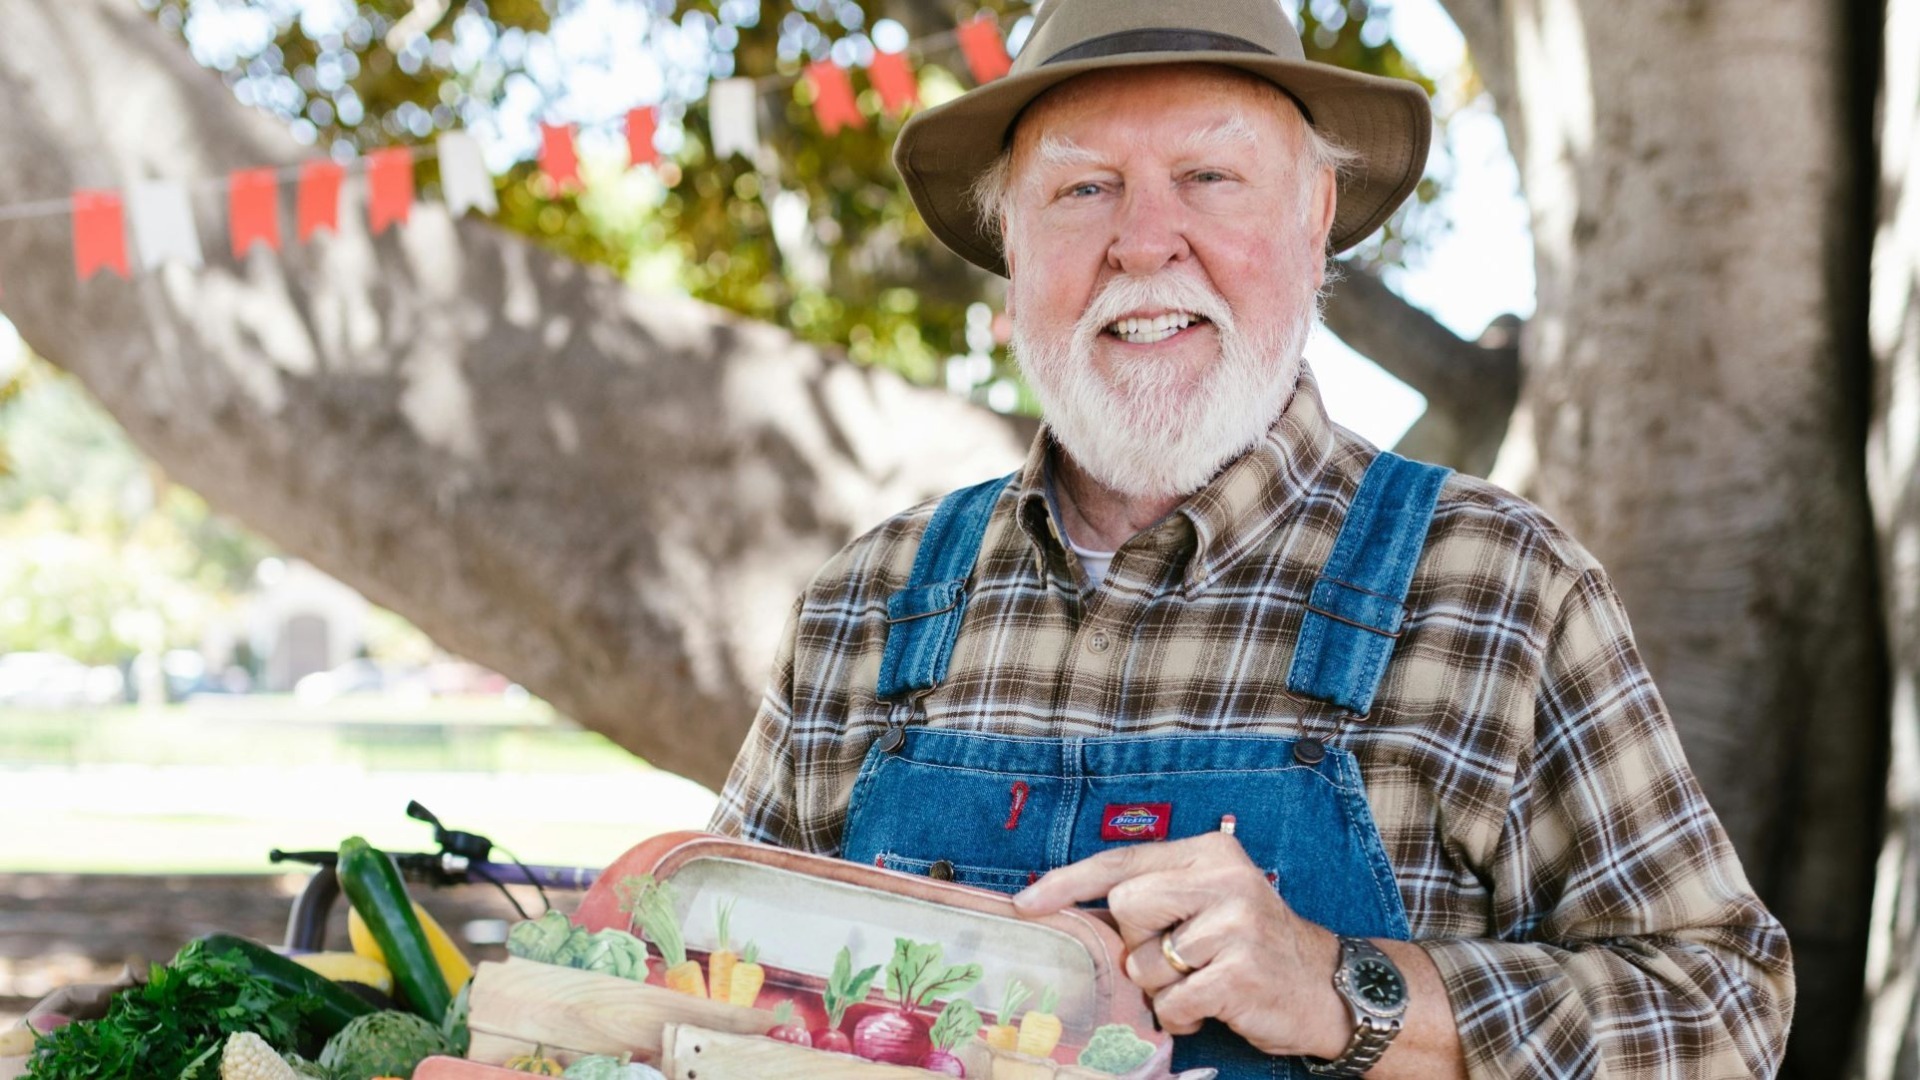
(175,1025)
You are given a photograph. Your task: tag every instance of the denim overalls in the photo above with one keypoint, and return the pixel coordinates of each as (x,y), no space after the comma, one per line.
(997,811)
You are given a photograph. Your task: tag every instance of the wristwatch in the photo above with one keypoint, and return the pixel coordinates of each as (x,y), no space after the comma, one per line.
(1376,994)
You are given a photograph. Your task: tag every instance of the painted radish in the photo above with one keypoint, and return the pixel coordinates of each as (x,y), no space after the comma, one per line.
(844,989)
(785,1029)
(915,976)
(957,1023)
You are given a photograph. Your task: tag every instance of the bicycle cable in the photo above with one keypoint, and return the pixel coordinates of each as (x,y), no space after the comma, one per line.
(535,881)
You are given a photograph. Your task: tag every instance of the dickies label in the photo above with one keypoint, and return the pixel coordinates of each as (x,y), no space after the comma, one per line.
(1135,821)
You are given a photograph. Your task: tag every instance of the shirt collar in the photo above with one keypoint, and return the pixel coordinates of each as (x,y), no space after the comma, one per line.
(1235,511)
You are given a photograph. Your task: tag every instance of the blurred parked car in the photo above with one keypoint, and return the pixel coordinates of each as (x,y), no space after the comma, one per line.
(48,680)
(361,676)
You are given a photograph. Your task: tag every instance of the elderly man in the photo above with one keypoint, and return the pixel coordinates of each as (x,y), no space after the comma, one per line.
(1359,754)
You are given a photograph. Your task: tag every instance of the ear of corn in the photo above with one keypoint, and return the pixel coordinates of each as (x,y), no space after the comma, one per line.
(247,1056)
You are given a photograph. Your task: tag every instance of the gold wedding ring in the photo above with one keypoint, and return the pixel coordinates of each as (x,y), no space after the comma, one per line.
(1174,960)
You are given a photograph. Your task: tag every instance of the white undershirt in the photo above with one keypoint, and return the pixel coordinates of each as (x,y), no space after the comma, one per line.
(1095,562)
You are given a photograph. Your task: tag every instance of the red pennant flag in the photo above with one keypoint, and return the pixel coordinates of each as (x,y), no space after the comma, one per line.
(640,125)
(99,234)
(557,157)
(986,53)
(833,97)
(390,184)
(319,198)
(890,75)
(253,210)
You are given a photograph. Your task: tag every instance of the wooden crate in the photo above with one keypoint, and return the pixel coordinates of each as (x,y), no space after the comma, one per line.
(521,1004)
(695,1053)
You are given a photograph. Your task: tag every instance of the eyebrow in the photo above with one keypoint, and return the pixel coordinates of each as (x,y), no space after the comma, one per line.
(1055,150)
(1234,129)
(1058,150)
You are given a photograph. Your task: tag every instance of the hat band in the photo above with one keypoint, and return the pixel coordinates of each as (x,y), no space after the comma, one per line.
(1139,41)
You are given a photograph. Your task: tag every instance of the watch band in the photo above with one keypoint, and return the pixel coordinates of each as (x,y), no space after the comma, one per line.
(1372,1031)
(1371,1037)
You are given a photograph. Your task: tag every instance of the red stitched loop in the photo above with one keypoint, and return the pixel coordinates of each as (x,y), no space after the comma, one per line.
(880,861)
(1273,877)
(1019,803)
(1032,877)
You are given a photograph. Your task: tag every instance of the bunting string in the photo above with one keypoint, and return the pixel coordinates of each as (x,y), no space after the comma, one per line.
(157,214)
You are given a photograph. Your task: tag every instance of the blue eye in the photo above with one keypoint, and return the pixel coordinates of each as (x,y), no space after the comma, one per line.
(1088,188)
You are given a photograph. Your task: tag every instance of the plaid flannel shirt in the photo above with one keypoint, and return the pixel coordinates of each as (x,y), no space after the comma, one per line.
(1556,856)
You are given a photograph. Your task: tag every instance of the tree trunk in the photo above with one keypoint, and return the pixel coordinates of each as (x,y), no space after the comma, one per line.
(1692,407)
(611,497)
(1890,1046)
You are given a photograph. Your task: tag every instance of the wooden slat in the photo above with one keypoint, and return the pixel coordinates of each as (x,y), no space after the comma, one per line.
(588,1012)
(694,1053)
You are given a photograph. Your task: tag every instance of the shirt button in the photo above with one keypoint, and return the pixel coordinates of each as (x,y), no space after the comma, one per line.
(1099,642)
(941,870)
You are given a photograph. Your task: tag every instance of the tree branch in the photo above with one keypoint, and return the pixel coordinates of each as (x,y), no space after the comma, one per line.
(610,497)
(1415,348)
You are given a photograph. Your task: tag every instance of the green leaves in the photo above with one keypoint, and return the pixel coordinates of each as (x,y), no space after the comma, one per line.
(955,1024)
(167,1027)
(844,988)
(917,974)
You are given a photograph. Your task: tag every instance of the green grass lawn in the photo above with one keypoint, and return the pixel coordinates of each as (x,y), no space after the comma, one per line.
(207,788)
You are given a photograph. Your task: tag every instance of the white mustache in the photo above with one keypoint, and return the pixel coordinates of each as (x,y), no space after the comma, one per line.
(1170,292)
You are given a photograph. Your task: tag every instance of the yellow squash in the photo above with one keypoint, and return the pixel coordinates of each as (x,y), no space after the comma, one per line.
(453,963)
(349,967)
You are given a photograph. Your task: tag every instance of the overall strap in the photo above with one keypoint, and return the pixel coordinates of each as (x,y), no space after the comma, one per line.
(923,619)
(1359,600)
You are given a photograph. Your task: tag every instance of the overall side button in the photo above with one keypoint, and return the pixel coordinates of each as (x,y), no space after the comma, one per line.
(1309,751)
(941,870)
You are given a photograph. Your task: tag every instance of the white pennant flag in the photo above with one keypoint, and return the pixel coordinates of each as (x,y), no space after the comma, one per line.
(464,180)
(733,114)
(162,224)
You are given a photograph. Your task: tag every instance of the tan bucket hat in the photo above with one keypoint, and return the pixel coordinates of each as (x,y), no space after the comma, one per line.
(1386,122)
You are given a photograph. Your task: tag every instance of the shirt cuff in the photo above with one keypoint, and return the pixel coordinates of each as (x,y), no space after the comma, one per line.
(1518,1013)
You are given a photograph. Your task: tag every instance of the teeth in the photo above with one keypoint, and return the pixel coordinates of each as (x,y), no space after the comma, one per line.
(1148,331)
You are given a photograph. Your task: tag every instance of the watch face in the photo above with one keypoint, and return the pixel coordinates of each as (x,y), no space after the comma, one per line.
(1379,984)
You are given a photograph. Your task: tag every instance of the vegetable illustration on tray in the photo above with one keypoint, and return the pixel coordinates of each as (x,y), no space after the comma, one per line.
(650,903)
(1040,1028)
(1003,1035)
(956,1024)
(784,1028)
(748,977)
(721,961)
(917,975)
(844,989)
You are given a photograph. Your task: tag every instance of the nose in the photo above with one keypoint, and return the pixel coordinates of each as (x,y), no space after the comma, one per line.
(1151,231)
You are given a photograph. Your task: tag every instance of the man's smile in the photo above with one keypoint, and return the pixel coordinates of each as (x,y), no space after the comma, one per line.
(1151,330)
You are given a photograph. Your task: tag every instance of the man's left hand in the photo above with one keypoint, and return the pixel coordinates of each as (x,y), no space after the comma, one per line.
(1257,966)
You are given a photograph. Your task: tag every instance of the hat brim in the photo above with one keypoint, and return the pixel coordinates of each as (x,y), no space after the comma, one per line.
(1387,123)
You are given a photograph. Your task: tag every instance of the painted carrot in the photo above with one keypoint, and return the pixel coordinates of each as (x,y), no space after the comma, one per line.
(1040,1028)
(720,964)
(1004,1035)
(747,977)
(650,902)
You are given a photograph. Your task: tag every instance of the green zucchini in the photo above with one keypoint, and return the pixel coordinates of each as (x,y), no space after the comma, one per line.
(374,888)
(338,1005)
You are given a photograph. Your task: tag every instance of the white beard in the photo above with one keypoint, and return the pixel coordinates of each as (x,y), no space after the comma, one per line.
(1140,434)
